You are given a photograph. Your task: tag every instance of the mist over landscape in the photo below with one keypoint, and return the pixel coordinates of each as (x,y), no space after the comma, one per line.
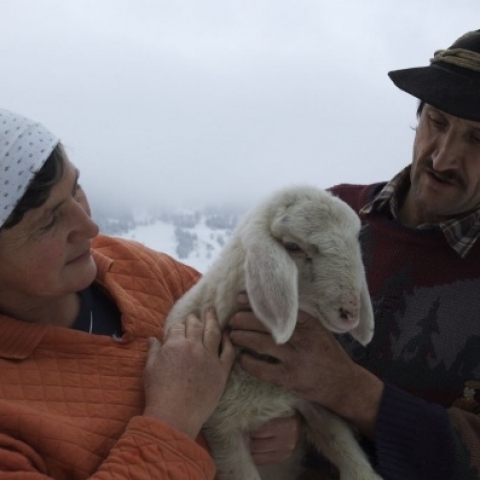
(182,115)
(185,104)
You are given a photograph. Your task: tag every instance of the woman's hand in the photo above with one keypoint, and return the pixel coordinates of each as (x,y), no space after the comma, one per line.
(276,440)
(185,376)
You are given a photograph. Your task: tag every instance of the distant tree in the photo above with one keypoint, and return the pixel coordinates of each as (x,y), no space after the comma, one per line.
(221,221)
(113,223)
(186,242)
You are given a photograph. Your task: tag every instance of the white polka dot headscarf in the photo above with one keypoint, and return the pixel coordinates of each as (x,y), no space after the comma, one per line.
(25,145)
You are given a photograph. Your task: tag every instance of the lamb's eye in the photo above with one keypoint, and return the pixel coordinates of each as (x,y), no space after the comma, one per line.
(291,247)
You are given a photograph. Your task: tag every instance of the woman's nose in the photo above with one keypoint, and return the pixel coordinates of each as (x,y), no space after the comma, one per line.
(83,228)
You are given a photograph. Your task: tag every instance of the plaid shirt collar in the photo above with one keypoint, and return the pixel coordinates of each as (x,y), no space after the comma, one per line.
(461,233)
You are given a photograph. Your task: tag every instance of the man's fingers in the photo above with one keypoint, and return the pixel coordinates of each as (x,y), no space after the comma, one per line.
(262,344)
(268,372)
(243,303)
(246,321)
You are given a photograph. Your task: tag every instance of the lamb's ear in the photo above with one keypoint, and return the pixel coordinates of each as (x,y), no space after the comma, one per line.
(271,283)
(363,332)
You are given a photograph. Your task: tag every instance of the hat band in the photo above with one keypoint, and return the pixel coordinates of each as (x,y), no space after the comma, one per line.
(459,57)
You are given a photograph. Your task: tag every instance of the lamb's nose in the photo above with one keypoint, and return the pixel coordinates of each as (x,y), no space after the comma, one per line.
(348,312)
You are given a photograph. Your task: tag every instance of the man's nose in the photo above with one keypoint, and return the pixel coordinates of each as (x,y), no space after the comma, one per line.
(448,153)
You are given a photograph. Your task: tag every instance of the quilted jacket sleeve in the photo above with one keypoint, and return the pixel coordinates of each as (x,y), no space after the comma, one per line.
(148,450)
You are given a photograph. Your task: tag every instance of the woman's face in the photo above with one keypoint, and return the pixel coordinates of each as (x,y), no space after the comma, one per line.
(47,254)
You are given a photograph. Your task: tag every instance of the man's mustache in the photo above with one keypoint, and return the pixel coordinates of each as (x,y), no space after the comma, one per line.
(447,176)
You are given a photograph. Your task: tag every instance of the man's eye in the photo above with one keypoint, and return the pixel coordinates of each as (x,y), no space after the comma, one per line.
(439,123)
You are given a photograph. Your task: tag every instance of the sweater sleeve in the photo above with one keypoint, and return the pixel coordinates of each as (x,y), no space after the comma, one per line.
(418,440)
(147,450)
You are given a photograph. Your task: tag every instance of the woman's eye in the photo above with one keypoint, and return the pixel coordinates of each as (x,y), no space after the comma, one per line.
(76,190)
(51,222)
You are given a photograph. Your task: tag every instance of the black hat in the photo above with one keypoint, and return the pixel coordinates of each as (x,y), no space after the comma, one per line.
(451,82)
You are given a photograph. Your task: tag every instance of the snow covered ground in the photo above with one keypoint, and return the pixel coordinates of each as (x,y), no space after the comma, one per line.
(163,236)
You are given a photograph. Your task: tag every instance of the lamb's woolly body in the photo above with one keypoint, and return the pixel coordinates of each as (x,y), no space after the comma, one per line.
(320,281)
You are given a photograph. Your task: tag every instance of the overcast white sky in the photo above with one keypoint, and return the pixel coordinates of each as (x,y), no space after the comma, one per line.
(214,101)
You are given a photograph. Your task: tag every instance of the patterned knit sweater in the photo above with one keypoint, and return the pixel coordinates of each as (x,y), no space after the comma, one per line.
(426,347)
(71,403)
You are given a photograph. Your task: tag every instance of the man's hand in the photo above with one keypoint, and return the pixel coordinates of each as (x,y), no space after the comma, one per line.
(312,365)
(276,440)
(185,377)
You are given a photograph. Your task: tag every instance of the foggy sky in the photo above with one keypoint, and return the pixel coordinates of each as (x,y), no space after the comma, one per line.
(215,101)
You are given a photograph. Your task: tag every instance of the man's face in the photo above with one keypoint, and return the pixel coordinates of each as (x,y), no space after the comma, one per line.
(445,175)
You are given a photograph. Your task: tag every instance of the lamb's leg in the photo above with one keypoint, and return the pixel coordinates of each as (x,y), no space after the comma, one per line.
(231,454)
(335,439)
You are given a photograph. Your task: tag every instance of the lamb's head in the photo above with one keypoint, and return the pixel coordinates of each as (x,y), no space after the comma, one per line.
(313,263)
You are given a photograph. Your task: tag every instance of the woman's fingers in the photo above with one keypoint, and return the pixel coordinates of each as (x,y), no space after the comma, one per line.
(227,353)
(194,328)
(216,341)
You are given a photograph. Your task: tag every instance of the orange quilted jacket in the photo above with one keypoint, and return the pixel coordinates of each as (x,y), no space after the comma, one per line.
(70,402)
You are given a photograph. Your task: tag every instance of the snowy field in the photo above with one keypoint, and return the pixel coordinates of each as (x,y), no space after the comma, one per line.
(161,237)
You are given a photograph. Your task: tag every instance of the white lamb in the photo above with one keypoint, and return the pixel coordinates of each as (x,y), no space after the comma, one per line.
(297,250)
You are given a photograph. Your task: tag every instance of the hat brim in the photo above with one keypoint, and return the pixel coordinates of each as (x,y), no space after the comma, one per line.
(442,87)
